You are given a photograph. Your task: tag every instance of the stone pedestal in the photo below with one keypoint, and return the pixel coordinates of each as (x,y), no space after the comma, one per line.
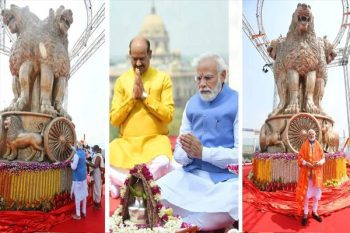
(287,132)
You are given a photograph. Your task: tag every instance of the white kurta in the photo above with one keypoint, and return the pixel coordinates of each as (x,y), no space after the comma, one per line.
(196,192)
(79,188)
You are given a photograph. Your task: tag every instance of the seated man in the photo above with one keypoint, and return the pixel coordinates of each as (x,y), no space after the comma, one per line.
(203,192)
(142,108)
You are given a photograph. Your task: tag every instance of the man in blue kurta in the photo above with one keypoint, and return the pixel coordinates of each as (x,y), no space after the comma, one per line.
(204,192)
(79,184)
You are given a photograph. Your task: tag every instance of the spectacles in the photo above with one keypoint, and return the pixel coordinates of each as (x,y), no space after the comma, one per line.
(207,78)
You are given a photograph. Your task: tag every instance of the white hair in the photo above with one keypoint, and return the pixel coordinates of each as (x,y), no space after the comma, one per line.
(220,63)
(79,145)
(311,131)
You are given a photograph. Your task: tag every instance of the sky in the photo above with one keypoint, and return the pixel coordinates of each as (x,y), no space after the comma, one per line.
(193,27)
(258,86)
(87,88)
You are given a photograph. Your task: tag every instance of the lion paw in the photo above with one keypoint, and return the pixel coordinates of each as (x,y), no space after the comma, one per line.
(11,157)
(310,107)
(293,108)
(20,104)
(64,114)
(48,109)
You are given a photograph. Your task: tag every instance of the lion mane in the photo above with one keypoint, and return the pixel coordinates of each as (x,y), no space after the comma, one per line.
(14,127)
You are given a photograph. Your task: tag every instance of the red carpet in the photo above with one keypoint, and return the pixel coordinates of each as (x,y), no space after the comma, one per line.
(113,205)
(55,221)
(94,221)
(262,211)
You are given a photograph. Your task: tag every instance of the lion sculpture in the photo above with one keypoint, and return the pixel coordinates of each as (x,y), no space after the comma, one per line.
(18,138)
(39,53)
(54,57)
(24,64)
(330,137)
(300,67)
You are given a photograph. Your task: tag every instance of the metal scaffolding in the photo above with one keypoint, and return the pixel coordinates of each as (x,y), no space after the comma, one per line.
(261,41)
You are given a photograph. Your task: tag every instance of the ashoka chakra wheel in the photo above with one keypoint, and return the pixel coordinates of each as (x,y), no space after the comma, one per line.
(297,128)
(59,135)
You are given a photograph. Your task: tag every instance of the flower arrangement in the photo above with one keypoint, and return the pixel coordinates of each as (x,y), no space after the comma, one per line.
(280,171)
(41,204)
(17,166)
(165,222)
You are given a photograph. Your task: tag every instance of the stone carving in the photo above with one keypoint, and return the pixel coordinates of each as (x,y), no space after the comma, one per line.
(36,121)
(18,138)
(330,138)
(39,60)
(54,60)
(23,65)
(271,139)
(300,67)
(300,72)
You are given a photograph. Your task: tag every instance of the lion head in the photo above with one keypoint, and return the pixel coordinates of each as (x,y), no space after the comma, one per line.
(329,51)
(274,46)
(13,125)
(302,20)
(17,18)
(64,18)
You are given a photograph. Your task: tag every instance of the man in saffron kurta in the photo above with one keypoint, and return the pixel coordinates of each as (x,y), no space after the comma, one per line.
(203,192)
(310,161)
(142,108)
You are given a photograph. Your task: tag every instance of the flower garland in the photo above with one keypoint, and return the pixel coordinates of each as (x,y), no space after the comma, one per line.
(167,222)
(16,167)
(279,171)
(42,204)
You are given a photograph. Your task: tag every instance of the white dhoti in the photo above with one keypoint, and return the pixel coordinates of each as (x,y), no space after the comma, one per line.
(198,200)
(97,189)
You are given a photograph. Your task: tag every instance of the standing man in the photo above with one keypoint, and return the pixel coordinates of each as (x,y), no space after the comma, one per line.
(142,108)
(203,192)
(310,161)
(79,184)
(97,164)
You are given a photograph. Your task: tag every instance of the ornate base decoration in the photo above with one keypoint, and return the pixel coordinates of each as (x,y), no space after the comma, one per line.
(30,136)
(140,209)
(286,133)
(35,127)
(280,171)
(34,186)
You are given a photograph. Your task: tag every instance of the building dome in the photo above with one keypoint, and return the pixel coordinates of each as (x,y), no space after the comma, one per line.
(153,26)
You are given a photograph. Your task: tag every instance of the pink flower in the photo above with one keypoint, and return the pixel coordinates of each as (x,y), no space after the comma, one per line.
(126,182)
(164,218)
(155,190)
(233,168)
(145,170)
(159,206)
(185,225)
(134,170)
